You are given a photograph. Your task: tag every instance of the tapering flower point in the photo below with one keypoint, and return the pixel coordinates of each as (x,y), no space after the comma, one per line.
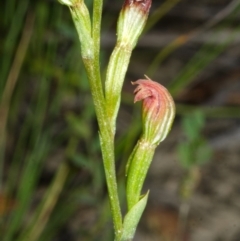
(132,20)
(158,109)
(82,21)
(69,3)
(140,5)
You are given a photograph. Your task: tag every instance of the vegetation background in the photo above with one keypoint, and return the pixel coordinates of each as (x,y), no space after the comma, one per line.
(52,184)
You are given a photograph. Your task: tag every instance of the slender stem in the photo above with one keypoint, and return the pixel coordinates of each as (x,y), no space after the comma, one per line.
(90,46)
(106,145)
(106,137)
(48,204)
(96,27)
(11,83)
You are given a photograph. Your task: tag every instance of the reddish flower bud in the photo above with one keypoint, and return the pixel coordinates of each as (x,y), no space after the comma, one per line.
(141,5)
(69,3)
(158,109)
(132,20)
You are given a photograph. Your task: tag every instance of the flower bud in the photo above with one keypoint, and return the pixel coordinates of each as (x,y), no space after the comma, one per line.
(158,109)
(132,20)
(158,114)
(81,19)
(67,2)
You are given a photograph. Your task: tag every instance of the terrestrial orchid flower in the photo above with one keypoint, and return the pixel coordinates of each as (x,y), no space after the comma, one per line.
(158,106)
(158,109)
(131,22)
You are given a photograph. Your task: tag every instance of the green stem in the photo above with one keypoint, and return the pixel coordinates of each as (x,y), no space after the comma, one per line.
(12,78)
(48,204)
(107,146)
(96,27)
(90,46)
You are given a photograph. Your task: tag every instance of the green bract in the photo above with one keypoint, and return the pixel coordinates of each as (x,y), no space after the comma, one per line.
(131,22)
(158,113)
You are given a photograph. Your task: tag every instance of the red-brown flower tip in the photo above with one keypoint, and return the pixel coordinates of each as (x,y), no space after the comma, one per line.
(132,20)
(158,109)
(153,95)
(143,5)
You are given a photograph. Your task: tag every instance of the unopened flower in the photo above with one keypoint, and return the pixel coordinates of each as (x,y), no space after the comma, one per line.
(67,2)
(132,20)
(158,109)
(82,21)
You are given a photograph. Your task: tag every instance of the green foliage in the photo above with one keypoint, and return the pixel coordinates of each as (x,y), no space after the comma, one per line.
(194,150)
(132,218)
(51,122)
(43,120)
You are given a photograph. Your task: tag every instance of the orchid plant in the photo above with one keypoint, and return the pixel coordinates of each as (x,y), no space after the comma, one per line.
(158,109)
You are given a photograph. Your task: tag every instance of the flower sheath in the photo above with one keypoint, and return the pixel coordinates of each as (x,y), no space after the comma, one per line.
(158,111)
(131,23)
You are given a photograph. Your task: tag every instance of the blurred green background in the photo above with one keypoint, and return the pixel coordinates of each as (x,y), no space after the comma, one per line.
(52,183)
